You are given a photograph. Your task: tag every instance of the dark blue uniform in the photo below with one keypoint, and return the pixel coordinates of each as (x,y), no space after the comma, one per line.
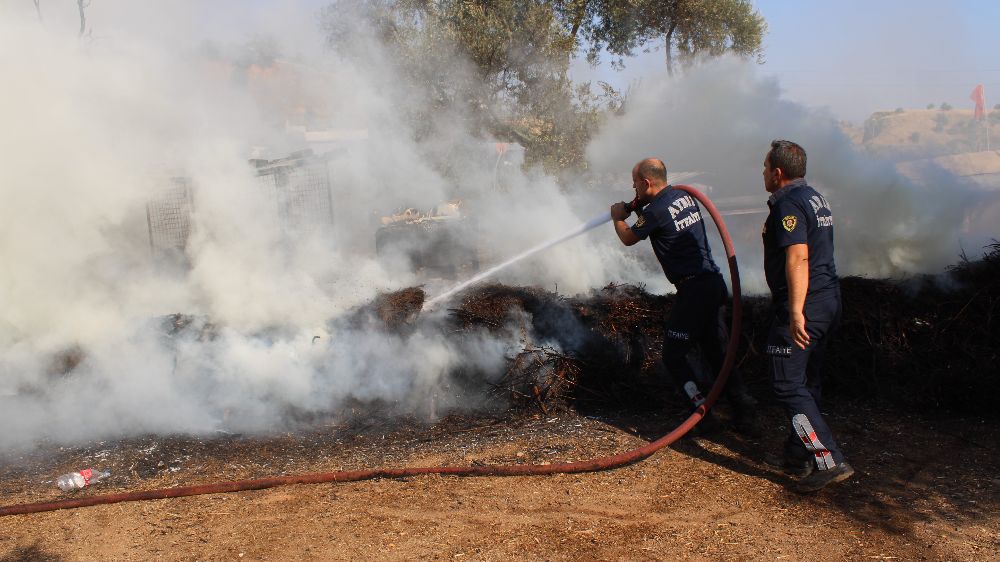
(800,215)
(673,223)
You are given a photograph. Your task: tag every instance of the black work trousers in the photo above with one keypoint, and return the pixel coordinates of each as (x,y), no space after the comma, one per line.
(696,329)
(796,378)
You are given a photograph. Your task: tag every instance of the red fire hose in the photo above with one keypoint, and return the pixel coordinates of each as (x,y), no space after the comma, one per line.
(604,463)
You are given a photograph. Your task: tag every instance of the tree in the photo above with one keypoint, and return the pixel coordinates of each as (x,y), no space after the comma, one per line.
(689,27)
(512,45)
(501,66)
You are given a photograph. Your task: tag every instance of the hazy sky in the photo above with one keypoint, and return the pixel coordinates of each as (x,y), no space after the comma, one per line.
(860,56)
(852,56)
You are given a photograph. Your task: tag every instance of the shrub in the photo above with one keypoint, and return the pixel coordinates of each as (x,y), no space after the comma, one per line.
(945,106)
(932,106)
(914,137)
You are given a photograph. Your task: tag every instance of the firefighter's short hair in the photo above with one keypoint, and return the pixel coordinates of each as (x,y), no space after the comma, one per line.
(788,156)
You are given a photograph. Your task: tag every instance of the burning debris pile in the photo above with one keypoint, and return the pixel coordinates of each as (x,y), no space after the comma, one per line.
(916,342)
(927,342)
(931,342)
(602,348)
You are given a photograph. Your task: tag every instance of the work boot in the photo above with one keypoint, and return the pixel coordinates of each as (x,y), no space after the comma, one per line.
(822,478)
(796,468)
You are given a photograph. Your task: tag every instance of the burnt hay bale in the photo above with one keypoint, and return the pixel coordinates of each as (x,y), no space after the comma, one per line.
(399,307)
(596,348)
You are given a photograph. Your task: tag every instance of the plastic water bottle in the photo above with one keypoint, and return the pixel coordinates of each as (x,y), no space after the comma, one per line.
(81,479)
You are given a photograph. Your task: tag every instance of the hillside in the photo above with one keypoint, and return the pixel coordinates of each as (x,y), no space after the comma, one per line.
(924,133)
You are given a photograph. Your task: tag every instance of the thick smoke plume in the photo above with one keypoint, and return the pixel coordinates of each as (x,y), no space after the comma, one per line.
(96,128)
(721,117)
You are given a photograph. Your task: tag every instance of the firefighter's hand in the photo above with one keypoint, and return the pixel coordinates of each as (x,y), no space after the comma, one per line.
(797,329)
(619,212)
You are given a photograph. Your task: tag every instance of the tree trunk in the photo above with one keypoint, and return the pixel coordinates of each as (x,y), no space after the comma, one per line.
(669,46)
(581,11)
(82,5)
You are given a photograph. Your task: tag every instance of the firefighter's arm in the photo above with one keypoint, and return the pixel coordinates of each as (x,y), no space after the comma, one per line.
(797,274)
(618,215)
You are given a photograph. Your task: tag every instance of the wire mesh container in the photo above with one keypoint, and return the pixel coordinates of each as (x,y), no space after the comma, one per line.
(300,188)
(168,215)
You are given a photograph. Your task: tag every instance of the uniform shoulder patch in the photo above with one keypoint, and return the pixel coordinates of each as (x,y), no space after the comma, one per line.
(790,222)
(640,222)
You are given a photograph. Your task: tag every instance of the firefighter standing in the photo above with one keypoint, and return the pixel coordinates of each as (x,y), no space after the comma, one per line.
(806,305)
(672,220)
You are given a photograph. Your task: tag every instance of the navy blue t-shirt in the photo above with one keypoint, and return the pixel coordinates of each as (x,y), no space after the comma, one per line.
(672,222)
(800,215)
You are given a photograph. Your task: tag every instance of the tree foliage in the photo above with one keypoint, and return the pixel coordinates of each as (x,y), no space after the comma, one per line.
(688,27)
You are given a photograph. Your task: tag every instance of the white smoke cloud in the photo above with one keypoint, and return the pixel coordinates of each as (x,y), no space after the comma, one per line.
(721,116)
(94,128)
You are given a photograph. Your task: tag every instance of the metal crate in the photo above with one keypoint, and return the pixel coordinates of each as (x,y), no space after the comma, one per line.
(168,216)
(300,188)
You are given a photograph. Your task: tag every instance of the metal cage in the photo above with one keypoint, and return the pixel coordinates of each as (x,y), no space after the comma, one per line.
(168,215)
(300,188)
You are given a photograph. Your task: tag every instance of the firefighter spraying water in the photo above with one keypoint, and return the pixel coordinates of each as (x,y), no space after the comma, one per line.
(671,219)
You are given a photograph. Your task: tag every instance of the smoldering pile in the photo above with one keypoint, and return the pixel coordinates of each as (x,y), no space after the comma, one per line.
(925,342)
(931,342)
(601,347)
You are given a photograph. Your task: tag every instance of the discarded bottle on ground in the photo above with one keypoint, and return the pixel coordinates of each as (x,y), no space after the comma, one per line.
(81,479)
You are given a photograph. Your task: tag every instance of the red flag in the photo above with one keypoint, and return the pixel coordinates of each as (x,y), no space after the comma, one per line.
(979,96)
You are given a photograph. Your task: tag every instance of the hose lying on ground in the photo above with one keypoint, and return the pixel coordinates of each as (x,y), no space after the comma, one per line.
(603,463)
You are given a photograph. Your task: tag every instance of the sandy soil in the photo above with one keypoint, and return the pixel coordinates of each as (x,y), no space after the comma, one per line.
(925,490)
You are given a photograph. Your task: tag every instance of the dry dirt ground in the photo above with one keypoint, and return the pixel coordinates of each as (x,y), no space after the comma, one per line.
(926,489)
